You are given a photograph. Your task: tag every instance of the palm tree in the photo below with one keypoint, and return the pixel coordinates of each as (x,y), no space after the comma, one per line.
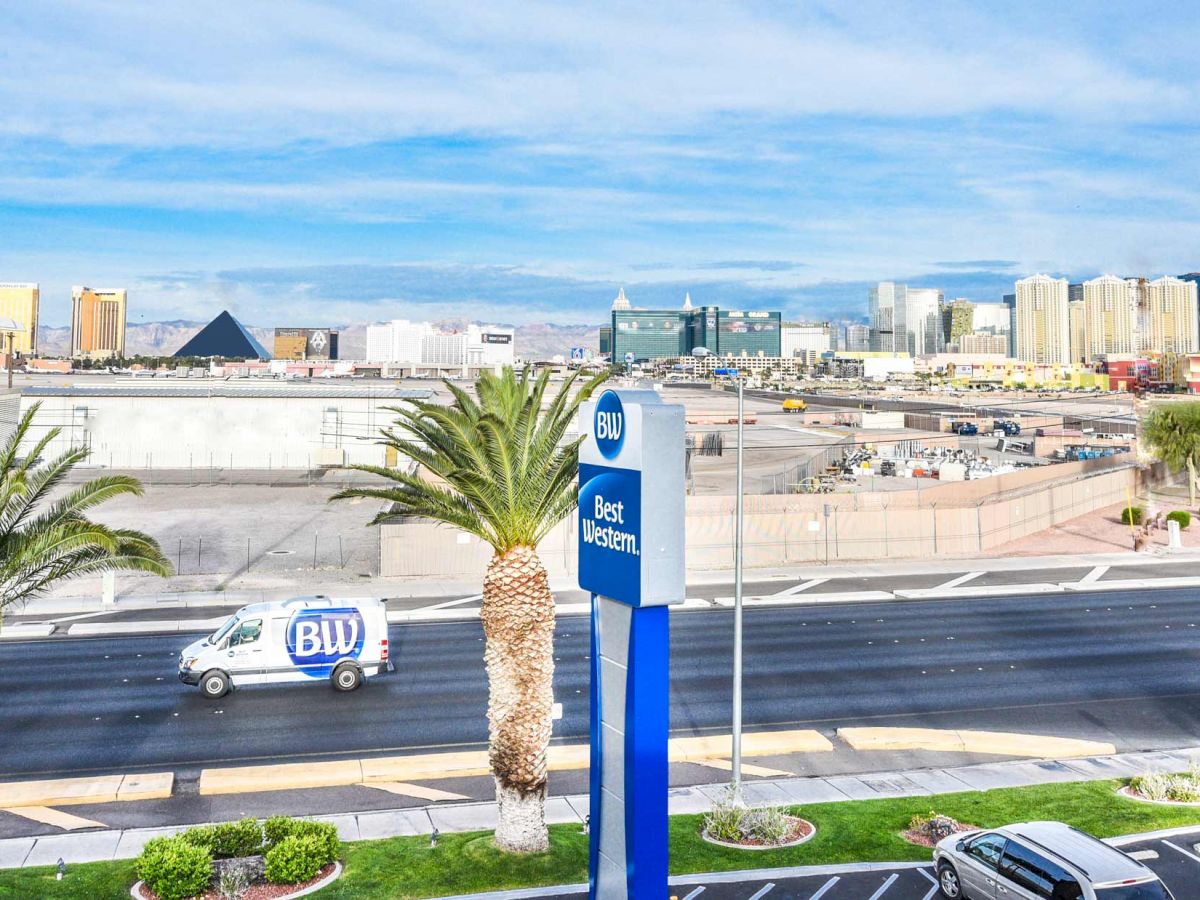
(46,538)
(1172,432)
(499,469)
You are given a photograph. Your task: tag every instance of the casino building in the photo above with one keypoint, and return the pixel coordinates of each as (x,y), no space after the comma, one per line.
(651,334)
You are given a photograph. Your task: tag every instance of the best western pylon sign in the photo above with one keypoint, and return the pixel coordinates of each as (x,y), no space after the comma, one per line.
(631,541)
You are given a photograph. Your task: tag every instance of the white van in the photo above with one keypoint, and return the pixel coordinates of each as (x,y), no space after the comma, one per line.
(302,639)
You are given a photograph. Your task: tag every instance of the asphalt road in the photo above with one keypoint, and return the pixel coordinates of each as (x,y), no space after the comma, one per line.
(1112,666)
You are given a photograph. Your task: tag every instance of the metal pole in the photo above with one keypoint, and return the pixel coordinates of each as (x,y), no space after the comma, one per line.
(737,607)
(10,359)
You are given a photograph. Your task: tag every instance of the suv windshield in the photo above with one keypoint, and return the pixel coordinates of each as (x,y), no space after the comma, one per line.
(219,635)
(1147,890)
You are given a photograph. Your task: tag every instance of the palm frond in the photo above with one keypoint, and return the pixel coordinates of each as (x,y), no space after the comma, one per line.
(501,466)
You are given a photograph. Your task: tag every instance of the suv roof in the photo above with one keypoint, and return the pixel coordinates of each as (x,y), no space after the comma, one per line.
(1100,862)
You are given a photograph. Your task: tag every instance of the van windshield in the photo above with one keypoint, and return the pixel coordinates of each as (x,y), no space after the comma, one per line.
(219,635)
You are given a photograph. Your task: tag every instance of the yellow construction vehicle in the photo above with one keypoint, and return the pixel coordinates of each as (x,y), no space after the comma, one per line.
(794,404)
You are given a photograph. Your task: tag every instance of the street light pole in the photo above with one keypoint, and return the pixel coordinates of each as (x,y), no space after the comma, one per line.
(736,756)
(11,339)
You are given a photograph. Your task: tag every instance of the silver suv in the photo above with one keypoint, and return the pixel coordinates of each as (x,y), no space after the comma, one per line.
(1040,861)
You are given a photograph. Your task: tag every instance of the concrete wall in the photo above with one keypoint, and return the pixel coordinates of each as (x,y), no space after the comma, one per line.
(960,518)
(140,432)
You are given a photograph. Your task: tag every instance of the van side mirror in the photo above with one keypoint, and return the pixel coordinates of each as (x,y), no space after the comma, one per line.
(961,846)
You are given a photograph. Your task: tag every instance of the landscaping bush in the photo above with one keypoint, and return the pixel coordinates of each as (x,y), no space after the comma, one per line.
(1181,788)
(735,823)
(296,858)
(1182,516)
(228,840)
(1132,515)
(175,868)
(279,828)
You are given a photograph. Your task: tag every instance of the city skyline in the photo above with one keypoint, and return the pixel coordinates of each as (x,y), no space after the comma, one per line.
(530,163)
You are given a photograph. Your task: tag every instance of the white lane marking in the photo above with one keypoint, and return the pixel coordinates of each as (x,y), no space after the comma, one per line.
(802,586)
(933,890)
(762,892)
(1093,576)
(1178,849)
(1142,855)
(883,887)
(821,891)
(458,602)
(404,789)
(927,875)
(955,582)
(696,893)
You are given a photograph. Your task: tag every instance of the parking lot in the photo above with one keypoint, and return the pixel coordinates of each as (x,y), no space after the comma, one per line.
(1173,855)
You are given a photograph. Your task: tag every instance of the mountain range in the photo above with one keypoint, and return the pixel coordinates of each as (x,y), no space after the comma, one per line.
(533,342)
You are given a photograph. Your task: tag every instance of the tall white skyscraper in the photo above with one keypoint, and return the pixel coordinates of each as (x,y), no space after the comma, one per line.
(1043,320)
(881,308)
(1171,315)
(1110,316)
(398,341)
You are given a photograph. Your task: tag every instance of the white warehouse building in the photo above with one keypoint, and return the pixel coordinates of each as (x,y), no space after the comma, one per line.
(222,426)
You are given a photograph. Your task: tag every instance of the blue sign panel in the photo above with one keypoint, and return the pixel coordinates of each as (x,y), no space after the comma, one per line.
(577,354)
(610,530)
(318,638)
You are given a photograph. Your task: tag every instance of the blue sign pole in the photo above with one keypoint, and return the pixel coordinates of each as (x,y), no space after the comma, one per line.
(631,508)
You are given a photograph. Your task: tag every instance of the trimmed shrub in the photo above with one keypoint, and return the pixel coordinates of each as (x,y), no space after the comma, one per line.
(734,823)
(1132,515)
(1182,516)
(296,858)
(279,828)
(175,868)
(228,840)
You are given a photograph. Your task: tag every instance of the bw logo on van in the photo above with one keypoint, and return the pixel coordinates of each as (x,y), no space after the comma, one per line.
(609,425)
(318,638)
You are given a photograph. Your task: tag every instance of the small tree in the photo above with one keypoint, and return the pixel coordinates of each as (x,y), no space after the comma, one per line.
(1172,433)
(46,538)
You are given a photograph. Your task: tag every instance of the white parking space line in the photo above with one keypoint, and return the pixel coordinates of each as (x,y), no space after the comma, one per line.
(762,892)
(824,889)
(1095,575)
(883,887)
(694,894)
(1178,849)
(802,586)
(933,890)
(1143,855)
(955,582)
(457,602)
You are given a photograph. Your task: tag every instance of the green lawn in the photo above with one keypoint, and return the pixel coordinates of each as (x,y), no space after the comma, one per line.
(857,831)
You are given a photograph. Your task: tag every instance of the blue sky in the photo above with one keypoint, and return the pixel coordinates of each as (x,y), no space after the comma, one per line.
(518,161)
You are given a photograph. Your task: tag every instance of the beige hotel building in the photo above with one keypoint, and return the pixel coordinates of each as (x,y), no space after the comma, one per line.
(19,301)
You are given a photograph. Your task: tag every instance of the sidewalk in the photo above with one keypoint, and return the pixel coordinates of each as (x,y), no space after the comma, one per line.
(110,844)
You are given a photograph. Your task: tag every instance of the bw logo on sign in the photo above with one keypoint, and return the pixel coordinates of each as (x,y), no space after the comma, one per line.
(609,425)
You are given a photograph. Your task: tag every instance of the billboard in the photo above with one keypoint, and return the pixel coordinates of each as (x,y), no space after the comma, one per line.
(306,343)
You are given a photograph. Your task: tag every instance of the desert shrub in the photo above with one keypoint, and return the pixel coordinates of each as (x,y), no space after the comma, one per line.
(934,826)
(295,858)
(228,840)
(735,823)
(232,884)
(1181,788)
(1182,516)
(1132,515)
(175,868)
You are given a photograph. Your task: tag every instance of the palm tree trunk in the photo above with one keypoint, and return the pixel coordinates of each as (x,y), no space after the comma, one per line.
(1191,467)
(518,625)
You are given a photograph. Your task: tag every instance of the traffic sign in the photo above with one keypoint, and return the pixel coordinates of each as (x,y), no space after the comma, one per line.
(629,359)
(578,354)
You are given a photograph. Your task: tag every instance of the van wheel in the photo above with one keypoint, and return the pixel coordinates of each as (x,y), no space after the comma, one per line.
(948,882)
(346,677)
(214,684)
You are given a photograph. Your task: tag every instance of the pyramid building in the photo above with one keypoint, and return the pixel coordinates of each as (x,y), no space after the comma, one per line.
(226,337)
